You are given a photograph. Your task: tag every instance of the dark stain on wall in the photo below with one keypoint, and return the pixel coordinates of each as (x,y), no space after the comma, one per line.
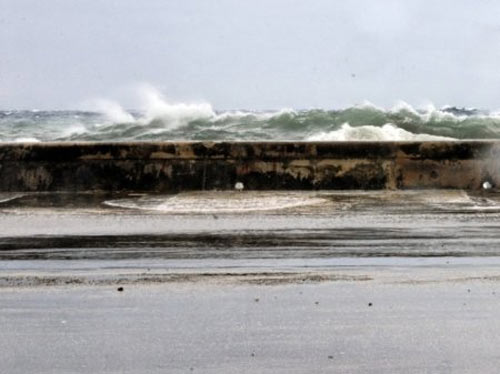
(176,166)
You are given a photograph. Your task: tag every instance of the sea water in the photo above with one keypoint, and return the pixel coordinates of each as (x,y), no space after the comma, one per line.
(164,121)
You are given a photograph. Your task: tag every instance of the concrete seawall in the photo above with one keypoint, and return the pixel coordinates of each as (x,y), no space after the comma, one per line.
(174,166)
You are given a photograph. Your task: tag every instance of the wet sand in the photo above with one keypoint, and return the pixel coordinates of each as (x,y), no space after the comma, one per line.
(359,282)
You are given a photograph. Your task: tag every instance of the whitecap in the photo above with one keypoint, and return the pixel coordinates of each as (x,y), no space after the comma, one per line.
(402,106)
(112,110)
(387,132)
(259,116)
(156,107)
(370,106)
(74,129)
(26,140)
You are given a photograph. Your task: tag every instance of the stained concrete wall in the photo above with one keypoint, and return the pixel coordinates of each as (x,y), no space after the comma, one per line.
(169,166)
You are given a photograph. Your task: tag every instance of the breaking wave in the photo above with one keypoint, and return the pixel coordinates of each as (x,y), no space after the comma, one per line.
(386,132)
(161,120)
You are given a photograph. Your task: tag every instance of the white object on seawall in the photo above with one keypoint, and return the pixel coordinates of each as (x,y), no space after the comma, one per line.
(239,186)
(487,185)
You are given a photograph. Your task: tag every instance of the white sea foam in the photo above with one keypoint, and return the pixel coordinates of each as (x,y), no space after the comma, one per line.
(112,110)
(427,112)
(5,197)
(387,132)
(233,114)
(74,129)
(431,112)
(155,106)
(260,116)
(495,114)
(401,106)
(460,200)
(369,105)
(219,202)
(446,197)
(26,140)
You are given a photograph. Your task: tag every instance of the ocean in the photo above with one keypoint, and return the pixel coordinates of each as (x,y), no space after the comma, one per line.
(200,122)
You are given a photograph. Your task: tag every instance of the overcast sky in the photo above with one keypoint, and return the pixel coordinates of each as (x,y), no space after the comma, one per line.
(255,54)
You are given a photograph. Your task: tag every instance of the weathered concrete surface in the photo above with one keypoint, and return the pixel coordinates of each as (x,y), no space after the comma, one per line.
(383,325)
(165,166)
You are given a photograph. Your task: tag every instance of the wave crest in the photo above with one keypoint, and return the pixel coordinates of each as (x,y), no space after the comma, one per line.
(155,107)
(387,132)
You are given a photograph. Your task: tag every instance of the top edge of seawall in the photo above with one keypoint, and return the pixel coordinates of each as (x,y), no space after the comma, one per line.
(253,150)
(242,142)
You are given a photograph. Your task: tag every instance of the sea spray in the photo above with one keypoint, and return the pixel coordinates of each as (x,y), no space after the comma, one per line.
(111,110)
(156,108)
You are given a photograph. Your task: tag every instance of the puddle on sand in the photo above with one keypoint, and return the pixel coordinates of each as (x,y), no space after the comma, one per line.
(219,202)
